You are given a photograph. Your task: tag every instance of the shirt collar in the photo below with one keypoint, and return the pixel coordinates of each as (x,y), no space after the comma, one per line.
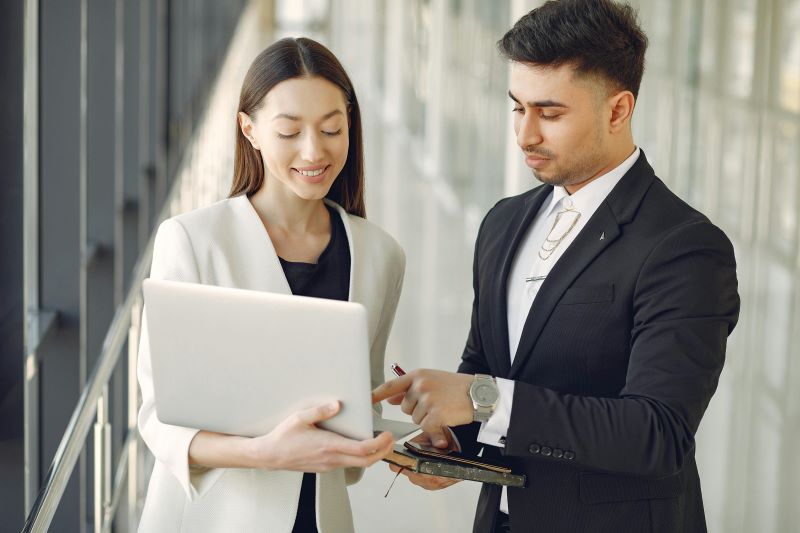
(589,197)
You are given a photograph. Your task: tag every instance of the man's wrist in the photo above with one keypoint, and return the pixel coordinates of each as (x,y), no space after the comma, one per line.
(484,395)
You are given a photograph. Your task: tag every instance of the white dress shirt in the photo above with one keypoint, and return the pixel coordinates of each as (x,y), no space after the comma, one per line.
(528,263)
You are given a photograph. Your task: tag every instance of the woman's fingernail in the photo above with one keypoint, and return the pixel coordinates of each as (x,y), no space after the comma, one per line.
(441,443)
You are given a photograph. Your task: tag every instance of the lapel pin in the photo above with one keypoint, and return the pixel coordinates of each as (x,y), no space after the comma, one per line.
(603,236)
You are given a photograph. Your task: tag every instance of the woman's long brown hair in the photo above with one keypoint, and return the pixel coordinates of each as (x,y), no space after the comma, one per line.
(297,58)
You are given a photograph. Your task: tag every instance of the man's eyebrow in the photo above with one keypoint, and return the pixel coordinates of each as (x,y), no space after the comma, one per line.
(539,103)
(326,116)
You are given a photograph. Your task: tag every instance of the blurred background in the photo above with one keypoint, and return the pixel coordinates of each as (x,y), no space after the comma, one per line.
(117,113)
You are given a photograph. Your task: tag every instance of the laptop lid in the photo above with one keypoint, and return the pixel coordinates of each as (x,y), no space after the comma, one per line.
(239,361)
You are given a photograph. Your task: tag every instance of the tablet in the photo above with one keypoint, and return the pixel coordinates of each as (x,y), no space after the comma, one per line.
(240,361)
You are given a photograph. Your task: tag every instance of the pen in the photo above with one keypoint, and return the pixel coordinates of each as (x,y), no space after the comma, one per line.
(397,372)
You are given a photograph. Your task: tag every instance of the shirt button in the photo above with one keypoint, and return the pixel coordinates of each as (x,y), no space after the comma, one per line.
(569,456)
(534,448)
(546,451)
(568,203)
(558,453)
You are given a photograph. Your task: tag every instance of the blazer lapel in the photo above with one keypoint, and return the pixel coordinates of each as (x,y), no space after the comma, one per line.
(362,269)
(264,270)
(602,229)
(517,228)
(263,267)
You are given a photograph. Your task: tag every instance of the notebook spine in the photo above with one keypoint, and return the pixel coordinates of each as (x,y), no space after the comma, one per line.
(482,475)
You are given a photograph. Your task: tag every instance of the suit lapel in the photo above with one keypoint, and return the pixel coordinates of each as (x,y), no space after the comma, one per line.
(586,246)
(602,229)
(511,239)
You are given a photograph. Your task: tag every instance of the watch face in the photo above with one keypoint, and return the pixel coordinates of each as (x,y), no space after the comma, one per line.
(485,394)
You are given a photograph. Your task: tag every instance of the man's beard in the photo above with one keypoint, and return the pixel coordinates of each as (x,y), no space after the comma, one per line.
(577,172)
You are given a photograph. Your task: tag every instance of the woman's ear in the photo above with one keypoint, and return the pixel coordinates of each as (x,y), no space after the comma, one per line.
(246,125)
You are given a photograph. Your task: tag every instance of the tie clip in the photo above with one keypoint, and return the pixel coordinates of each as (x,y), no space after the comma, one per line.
(534,278)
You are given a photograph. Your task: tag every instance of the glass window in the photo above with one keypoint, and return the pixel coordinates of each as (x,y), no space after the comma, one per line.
(789,61)
(784,183)
(741,43)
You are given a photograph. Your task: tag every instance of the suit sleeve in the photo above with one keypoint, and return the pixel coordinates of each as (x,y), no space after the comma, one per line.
(173,259)
(473,359)
(685,305)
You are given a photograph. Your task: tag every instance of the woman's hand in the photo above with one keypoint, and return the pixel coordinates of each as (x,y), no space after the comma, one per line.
(298,444)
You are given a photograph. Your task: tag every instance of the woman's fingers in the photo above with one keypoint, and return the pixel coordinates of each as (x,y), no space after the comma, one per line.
(360,448)
(353,453)
(357,461)
(318,413)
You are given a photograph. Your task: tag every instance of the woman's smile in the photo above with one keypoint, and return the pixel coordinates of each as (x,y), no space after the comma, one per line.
(312,175)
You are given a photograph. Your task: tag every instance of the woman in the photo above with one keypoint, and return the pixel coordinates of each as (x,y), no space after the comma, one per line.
(293,224)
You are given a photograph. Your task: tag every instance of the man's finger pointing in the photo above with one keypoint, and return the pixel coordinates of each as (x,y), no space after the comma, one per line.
(391,388)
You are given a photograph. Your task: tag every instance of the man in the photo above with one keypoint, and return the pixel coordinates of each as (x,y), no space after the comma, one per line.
(602,304)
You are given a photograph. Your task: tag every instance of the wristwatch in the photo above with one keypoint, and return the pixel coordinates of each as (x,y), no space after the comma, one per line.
(484,394)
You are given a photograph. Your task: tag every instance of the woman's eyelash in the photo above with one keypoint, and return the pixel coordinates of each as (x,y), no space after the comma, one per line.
(293,135)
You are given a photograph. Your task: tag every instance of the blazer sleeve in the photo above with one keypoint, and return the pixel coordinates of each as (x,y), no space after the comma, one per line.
(173,259)
(473,359)
(685,305)
(395,263)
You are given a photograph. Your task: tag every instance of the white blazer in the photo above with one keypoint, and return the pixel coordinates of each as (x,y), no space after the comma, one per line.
(227,245)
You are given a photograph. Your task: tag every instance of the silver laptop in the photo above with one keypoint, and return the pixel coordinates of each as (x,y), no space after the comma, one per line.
(239,361)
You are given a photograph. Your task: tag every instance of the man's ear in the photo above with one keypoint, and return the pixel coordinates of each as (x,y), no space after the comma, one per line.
(246,125)
(621,105)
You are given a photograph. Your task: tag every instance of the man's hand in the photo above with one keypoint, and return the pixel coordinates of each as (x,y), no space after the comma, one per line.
(426,481)
(433,398)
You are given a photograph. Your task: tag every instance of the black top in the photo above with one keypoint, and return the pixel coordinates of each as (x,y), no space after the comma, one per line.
(328,278)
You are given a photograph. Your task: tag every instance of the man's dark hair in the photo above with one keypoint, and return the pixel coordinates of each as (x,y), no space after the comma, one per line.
(597,37)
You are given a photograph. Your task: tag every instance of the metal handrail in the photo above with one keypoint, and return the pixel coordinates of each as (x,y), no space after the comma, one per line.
(80,423)
(124,324)
(73,441)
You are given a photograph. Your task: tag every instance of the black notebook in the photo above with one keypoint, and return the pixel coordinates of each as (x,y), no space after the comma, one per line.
(429,460)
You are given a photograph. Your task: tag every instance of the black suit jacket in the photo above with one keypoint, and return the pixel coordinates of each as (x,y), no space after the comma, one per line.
(618,359)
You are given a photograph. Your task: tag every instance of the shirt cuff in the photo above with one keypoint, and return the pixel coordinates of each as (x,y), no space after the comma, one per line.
(454,439)
(494,431)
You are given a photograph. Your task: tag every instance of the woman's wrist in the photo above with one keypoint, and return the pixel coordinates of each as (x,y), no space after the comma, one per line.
(256,452)
(216,450)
